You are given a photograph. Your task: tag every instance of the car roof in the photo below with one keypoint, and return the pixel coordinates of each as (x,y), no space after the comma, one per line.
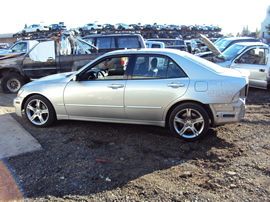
(238,38)
(148,51)
(108,35)
(251,43)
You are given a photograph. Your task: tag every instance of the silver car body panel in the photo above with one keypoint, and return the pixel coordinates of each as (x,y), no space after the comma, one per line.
(142,101)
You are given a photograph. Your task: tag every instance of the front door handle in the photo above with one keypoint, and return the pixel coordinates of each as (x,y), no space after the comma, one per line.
(261,70)
(116,86)
(176,84)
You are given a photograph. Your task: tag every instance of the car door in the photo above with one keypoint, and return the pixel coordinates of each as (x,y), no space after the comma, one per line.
(156,82)
(98,92)
(254,60)
(41,61)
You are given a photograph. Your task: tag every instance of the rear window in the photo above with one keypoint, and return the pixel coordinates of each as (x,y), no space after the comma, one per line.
(128,42)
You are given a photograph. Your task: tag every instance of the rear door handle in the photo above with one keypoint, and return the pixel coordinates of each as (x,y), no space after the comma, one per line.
(176,84)
(116,86)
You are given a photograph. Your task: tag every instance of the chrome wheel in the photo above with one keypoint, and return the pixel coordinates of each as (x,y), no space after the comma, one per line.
(189,121)
(39,111)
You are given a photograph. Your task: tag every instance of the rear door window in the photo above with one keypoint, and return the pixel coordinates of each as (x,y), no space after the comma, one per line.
(156,67)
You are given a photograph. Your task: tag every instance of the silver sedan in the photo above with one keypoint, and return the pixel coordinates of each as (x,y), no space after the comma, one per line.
(161,87)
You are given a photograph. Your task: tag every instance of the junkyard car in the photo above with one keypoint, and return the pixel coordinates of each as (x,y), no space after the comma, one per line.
(63,54)
(250,56)
(161,87)
(18,48)
(106,43)
(57,27)
(35,28)
(172,43)
(89,26)
(4,46)
(223,44)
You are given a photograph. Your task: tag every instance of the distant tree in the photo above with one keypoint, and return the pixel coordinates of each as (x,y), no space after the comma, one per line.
(258,33)
(268,28)
(230,35)
(25,26)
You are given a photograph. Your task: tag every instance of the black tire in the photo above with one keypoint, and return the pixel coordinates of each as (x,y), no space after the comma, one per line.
(39,111)
(189,121)
(12,82)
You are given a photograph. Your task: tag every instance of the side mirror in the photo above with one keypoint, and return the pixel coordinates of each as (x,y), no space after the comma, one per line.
(74,78)
(236,61)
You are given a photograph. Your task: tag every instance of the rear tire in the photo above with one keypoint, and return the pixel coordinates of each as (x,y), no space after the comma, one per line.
(12,82)
(189,121)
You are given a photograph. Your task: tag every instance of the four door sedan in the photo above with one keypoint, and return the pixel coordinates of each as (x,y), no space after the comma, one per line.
(161,87)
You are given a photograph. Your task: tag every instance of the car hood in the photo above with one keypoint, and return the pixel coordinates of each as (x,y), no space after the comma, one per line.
(51,79)
(54,77)
(209,44)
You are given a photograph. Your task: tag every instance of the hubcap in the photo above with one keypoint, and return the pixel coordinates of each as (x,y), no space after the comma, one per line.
(13,85)
(37,112)
(188,123)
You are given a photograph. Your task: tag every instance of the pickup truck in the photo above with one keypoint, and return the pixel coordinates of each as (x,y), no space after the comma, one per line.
(63,54)
(18,48)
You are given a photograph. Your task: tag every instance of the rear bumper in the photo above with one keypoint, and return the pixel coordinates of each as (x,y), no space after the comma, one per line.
(228,113)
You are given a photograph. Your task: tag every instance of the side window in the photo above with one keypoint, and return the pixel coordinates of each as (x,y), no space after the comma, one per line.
(156,67)
(20,47)
(254,56)
(108,69)
(128,42)
(104,43)
(90,41)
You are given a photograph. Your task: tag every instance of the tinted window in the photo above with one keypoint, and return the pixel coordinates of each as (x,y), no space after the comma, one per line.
(151,67)
(107,42)
(128,42)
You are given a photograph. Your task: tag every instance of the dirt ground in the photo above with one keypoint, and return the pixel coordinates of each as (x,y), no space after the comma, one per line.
(87,161)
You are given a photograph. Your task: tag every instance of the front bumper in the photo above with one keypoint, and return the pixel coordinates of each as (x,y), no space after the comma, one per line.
(17,103)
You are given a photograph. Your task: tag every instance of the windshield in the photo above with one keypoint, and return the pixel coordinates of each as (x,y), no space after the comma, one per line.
(231,52)
(222,44)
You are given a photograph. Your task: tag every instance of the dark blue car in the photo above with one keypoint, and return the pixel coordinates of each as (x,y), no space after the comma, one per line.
(57,27)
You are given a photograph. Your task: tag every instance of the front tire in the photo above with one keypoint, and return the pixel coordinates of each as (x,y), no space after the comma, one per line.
(39,111)
(189,121)
(12,82)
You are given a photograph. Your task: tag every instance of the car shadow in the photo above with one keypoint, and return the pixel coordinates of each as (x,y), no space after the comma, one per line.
(82,158)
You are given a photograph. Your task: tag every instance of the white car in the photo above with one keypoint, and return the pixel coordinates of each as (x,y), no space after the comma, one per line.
(249,56)
(90,26)
(35,28)
(161,87)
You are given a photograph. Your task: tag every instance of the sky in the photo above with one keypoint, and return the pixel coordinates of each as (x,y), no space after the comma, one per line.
(230,15)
